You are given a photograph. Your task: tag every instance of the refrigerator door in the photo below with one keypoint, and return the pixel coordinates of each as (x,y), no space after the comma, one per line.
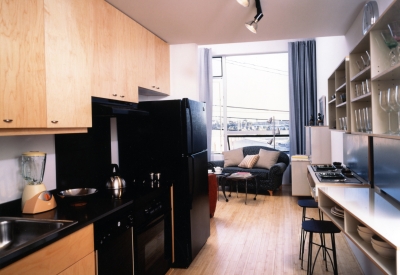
(191,210)
(196,133)
(199,201)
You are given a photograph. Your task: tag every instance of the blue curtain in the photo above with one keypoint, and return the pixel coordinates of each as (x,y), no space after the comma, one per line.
(302,91)
(205,89)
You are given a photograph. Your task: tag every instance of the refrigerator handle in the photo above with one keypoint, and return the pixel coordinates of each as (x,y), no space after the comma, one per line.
(191,182)
(189,112)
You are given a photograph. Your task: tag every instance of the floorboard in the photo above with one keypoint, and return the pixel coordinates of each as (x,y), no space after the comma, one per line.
(262,237)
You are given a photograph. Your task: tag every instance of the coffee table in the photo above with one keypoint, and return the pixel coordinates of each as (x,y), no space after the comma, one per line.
(238,178)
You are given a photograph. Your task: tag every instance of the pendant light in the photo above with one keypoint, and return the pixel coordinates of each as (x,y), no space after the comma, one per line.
(252,25)
(244,3)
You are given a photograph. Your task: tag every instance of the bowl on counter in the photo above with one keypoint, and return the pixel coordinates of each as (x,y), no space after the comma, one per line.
(377,240)
(77,196)
(365,236)
(364,229)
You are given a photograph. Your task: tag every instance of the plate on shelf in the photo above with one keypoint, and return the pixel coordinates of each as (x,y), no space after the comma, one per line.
(337,214)
(338,209)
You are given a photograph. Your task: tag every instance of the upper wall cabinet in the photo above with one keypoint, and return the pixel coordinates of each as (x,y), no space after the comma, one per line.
(45,70)
(153,60)
(114,66)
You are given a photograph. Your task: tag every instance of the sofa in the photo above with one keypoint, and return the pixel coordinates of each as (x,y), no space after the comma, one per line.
(268,179)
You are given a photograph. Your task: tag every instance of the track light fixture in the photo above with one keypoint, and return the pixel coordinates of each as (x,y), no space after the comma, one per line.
(252,25)
(244,3)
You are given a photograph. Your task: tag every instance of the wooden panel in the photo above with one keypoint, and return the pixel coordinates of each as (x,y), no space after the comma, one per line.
(69,59)
(86,266)
(22,73)
(57,256)
(145,56)
(41,131)
(104,62)
(162,66)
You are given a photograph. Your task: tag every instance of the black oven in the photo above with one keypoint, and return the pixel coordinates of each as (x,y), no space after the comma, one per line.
(152,236)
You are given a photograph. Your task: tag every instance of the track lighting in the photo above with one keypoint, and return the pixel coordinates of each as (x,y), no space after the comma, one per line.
(252,25)
(244,3)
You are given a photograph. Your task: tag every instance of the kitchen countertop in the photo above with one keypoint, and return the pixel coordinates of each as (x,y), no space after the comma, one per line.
(96,208)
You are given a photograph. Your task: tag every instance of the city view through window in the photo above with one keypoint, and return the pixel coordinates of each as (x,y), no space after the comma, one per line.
(250,102)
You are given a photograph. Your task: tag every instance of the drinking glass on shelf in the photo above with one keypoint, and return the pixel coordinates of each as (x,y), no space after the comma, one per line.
(357,126)
(360,68)
(384,103)
(363,89)
(367,86)
(358,90)
(394,28)
(368,120)
(361,120)
(394,103)
(345,123)
(369,58)
(340,123)
(391,43)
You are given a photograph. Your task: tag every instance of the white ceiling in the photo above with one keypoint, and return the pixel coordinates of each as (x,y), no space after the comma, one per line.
(222,21)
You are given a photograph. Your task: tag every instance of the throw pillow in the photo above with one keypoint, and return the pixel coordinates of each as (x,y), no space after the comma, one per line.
(267,158)
(233,157)
(249,161)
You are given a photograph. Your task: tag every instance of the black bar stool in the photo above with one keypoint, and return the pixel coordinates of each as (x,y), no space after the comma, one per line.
(307,203)
(321,227)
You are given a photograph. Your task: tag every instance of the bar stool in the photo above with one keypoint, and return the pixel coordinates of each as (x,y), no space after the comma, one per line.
(321,227)
(307,203)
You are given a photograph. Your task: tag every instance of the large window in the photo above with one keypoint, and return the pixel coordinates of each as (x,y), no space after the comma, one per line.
(251,102)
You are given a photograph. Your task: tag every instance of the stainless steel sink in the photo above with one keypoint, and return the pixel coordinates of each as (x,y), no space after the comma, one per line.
(19,233)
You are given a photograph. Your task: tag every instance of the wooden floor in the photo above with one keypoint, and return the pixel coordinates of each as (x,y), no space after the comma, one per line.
(262,237)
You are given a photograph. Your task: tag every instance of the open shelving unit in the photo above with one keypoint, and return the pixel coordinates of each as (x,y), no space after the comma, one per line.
(368,61)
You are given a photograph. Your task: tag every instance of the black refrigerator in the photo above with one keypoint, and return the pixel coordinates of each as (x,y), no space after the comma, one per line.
(172,141)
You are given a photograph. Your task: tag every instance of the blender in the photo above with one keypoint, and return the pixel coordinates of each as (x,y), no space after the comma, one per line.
(35,198)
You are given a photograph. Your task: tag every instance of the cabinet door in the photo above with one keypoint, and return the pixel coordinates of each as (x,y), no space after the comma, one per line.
(145,55)
(162,65)
(69,58)
(22,71)
(86,266)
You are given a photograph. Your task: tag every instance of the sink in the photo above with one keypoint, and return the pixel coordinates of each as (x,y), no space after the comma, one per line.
(20,233)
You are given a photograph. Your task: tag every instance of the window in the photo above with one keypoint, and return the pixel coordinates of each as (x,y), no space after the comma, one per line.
(251,97)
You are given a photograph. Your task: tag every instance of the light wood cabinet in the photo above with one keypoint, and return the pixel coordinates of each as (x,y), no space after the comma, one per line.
(114,66)
(153,57)
(45,72)
(74,252)
(318,144)
(22,69)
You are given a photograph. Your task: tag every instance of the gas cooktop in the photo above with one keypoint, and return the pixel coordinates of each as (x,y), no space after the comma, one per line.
(323,167)
(336,177)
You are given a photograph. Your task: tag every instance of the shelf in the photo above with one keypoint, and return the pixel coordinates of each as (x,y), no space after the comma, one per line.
(393,73)
(364,74)
(343,104)
(341,87)
(332,101)
(366,97)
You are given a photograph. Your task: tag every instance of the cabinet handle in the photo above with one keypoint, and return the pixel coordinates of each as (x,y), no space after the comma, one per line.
(114,94)
(54,121)
(122,96)
(8,120)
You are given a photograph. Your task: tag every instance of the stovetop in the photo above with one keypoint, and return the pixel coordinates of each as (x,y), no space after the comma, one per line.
(323,168)
(336,177)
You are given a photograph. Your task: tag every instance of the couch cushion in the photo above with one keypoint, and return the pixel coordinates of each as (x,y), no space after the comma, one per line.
(267,158)
(233,157)
(249,161)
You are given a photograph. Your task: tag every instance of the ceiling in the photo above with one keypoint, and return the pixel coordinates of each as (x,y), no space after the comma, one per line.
(222,21)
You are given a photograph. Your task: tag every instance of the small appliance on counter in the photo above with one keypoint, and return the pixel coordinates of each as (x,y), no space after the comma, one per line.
(35,198)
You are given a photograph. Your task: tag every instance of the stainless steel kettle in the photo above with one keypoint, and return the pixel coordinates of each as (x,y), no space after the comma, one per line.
(115,182)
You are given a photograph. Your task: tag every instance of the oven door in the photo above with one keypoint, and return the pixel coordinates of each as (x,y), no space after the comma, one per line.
(150,256)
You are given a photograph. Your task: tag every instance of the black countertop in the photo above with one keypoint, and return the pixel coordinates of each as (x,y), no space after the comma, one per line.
(100,205)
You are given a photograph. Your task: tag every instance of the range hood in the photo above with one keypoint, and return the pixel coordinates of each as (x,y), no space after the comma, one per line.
(113,108)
